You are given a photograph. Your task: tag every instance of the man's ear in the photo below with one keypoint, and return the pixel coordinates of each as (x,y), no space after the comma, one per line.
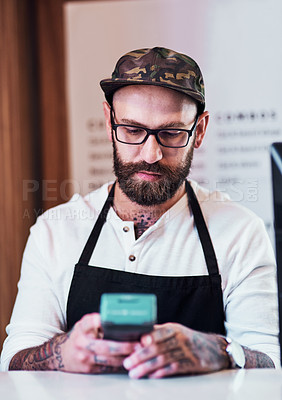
(107,113)
(203,121)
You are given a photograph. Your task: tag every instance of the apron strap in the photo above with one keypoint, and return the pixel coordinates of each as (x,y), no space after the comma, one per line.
(202,229)
(94,236)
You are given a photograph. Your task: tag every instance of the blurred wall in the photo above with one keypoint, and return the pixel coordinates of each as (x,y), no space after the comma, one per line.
(236,43)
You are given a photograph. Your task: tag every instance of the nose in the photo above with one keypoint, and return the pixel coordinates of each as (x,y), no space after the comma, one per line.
(151,151)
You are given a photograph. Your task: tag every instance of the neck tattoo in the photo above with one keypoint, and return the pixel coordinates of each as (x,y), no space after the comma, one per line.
(142,219)
(142,222)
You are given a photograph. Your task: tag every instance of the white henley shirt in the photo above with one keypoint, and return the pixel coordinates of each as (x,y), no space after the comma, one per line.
(170,247)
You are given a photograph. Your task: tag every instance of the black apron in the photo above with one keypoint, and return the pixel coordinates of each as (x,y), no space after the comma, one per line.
(193,301)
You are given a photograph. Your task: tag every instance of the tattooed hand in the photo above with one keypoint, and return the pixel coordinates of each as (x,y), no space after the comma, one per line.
(87,352)
(172,349)
(80,350)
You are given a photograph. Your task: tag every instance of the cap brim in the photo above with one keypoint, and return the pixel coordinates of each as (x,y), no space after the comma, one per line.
(109,87)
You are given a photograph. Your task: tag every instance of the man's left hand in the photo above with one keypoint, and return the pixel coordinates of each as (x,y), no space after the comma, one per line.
(173,349)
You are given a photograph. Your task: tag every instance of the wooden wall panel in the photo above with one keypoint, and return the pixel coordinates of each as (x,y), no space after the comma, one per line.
(51,67)
(33,129)
(16,148)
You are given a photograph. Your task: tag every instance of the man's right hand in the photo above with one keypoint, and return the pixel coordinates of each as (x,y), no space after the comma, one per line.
(81,350)
(85,350)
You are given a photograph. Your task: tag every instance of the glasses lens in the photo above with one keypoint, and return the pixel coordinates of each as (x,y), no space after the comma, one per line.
(173,138)
(130,134)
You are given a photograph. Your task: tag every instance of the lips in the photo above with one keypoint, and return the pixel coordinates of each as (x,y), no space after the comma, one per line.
(149,176)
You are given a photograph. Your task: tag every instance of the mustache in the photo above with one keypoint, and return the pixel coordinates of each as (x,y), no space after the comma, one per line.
(132,168)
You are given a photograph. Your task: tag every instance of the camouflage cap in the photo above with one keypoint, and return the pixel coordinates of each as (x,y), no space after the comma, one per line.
(160,67)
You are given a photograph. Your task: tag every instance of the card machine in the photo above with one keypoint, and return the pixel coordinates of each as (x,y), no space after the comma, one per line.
(127,316)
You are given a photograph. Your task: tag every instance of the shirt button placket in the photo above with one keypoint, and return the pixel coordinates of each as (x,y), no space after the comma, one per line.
(129,240)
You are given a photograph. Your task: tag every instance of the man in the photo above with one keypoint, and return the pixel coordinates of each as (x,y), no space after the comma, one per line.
(211,266)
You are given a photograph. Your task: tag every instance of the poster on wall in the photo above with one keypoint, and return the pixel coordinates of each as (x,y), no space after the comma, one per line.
(237,45)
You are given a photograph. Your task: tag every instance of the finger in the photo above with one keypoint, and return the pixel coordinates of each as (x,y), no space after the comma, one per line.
(106,360)
(99,364)
(171,343)
(146,368)
(168,370)
(108,347)
(91,323)
(158,335)
(142,354)
(180,367)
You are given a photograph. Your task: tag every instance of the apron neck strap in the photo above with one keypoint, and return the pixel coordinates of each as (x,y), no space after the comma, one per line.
(94,236)
(202,229)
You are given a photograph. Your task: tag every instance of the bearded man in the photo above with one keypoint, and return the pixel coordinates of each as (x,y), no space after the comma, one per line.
(208,261)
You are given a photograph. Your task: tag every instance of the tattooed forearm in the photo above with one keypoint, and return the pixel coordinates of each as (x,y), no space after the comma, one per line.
(45,357)
(215,348)
(256,359)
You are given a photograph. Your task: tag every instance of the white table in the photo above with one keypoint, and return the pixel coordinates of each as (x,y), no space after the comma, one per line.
(260,384)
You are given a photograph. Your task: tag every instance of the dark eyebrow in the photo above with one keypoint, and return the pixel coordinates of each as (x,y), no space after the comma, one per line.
(163,126)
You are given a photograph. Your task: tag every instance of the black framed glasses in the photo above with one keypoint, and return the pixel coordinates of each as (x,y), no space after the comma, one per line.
(136,135)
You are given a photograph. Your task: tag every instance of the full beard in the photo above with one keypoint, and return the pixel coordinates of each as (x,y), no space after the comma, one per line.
(147,193)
